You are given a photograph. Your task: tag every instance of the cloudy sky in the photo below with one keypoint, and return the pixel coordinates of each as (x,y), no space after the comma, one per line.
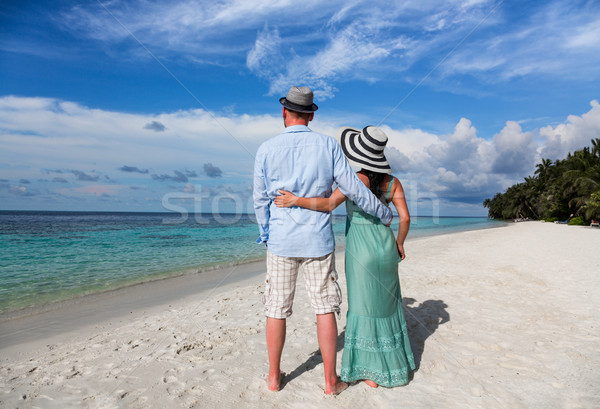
(148,105)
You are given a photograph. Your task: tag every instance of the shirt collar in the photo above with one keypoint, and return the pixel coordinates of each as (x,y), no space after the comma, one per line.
(297,128)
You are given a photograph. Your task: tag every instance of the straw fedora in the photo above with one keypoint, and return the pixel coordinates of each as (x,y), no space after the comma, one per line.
(364,148)
(299,99)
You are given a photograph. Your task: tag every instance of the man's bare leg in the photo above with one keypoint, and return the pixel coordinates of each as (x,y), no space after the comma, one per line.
(275,341)
(327,336)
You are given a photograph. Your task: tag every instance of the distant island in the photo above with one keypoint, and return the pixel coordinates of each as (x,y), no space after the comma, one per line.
(563,190)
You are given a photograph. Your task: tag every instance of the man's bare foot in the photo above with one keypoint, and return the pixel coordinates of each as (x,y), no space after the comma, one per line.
(336,388)
(275,383)
(370,383)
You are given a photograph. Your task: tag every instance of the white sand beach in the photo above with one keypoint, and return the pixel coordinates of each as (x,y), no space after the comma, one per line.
(498,318)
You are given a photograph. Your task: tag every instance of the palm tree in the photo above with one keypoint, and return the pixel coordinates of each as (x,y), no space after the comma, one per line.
(543,169)
(592,207)
(596,147)
(559,188)
(583,178)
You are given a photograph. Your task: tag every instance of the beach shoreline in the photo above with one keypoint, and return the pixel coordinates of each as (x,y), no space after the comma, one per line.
(196,274)
(51,257)
(81,297)
(124,300)
(31,325)
(497,318)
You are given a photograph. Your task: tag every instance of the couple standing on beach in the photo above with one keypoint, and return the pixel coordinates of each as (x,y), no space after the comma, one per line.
(293,178)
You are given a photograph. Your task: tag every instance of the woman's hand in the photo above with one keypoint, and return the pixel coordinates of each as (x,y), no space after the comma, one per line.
(286,199)
(401,251)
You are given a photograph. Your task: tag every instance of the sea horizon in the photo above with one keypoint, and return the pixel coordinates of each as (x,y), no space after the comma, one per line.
(193,213)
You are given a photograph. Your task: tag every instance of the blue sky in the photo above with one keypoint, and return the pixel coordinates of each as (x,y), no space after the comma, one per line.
(158,105)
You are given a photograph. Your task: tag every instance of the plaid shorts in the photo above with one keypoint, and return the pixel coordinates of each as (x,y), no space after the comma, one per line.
(320,278)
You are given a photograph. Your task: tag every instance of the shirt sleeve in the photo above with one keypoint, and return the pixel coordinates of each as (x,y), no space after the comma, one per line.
(352,187)
(261,201)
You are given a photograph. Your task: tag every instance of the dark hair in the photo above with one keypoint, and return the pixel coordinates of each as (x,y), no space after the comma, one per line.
(375,181)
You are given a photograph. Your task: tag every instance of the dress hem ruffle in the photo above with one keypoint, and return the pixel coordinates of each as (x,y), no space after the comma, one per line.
(389,379)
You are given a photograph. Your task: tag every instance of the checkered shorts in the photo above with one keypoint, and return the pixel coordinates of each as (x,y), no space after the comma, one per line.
(320,278)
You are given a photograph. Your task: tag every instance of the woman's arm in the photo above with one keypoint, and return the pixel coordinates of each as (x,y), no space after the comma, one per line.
(399,201)
(321,204)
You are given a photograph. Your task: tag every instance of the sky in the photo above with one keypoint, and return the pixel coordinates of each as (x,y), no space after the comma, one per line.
(146,105)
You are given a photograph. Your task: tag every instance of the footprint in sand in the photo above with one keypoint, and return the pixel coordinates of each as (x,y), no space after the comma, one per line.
(175,387)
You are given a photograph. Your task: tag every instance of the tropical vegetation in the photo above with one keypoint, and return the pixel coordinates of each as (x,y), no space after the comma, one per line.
(558,190)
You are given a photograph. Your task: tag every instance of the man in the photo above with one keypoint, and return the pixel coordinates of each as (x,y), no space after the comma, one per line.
(306,164)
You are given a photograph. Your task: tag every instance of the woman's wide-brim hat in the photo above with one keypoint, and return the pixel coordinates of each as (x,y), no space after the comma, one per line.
(364,148)
(299,99)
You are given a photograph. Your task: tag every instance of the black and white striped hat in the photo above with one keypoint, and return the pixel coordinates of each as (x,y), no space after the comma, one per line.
(365,148)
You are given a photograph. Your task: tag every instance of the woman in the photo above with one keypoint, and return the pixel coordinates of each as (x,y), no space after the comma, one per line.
(376,347)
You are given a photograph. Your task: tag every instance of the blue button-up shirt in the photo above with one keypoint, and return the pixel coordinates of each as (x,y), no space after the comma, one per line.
(307,164)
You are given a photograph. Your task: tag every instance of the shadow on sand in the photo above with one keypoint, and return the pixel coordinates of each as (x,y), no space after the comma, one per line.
(313,360)
(422,320)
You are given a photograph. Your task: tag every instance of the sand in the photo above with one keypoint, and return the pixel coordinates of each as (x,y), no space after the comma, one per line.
(498,318)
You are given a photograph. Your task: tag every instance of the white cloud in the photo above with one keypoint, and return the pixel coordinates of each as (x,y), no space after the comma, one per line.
(323,44)
(456,149)
(398,161)
(516,151)
(348,50)
(65,135)
(585,37)
(577,132)
(265,53)
(182,26)
(189,188)
(464,167)
(409,141)
(327,39)
(73,140)
(547,42)
(347,53)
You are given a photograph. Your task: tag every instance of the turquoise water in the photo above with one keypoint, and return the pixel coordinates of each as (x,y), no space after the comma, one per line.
(53,256)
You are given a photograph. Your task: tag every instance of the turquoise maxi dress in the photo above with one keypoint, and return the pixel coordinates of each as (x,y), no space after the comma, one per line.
(376,343)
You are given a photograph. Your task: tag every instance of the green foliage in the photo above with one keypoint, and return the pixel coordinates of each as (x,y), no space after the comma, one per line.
(550,219)
(592,206)
(577,221)
(557,190)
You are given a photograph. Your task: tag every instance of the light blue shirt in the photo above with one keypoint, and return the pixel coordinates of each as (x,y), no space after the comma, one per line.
(307,164)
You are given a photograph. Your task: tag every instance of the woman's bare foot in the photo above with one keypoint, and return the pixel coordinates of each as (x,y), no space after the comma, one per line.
(370,383)
(336,388)
(274,384)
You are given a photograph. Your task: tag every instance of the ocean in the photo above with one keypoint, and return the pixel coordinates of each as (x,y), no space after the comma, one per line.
(47,257)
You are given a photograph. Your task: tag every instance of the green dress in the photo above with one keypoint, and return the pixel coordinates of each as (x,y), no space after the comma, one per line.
(376,343)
